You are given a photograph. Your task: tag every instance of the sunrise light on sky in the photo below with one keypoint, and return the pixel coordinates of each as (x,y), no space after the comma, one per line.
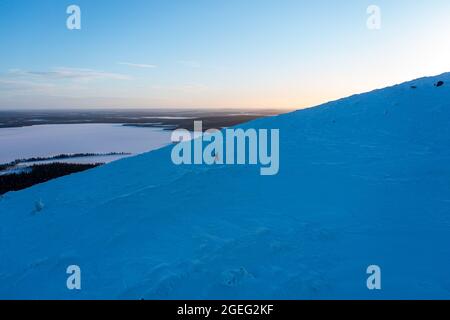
(221,54)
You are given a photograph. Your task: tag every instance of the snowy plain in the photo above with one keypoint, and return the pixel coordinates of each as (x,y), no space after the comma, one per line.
(363,180)
(54,139)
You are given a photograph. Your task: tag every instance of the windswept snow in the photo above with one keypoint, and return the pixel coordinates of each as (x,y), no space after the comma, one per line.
(363,181)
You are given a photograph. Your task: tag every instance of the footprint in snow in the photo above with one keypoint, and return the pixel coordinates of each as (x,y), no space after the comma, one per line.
(235,277)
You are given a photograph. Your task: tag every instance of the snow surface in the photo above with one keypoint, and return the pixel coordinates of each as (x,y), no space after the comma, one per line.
(363,180)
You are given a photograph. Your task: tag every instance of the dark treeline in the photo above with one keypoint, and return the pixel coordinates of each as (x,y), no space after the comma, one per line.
(157,118)
(5,166)
(38,174)
(72,155)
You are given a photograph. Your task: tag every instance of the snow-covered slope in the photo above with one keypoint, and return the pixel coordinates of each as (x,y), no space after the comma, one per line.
(364,180)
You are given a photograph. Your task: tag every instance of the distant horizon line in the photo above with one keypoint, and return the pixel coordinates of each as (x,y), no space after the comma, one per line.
(148,109)
(218,109)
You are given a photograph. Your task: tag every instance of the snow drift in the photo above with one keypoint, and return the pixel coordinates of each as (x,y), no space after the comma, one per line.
(363,180)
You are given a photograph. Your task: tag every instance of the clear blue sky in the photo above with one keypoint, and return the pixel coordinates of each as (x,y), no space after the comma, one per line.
(213,53)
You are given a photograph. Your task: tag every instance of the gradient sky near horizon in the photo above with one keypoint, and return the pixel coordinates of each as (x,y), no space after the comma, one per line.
(284,54)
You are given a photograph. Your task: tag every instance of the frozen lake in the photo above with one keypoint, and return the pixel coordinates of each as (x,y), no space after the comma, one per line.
(54,139)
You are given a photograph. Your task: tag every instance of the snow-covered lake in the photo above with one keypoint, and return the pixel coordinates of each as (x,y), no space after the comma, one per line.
(55,139)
